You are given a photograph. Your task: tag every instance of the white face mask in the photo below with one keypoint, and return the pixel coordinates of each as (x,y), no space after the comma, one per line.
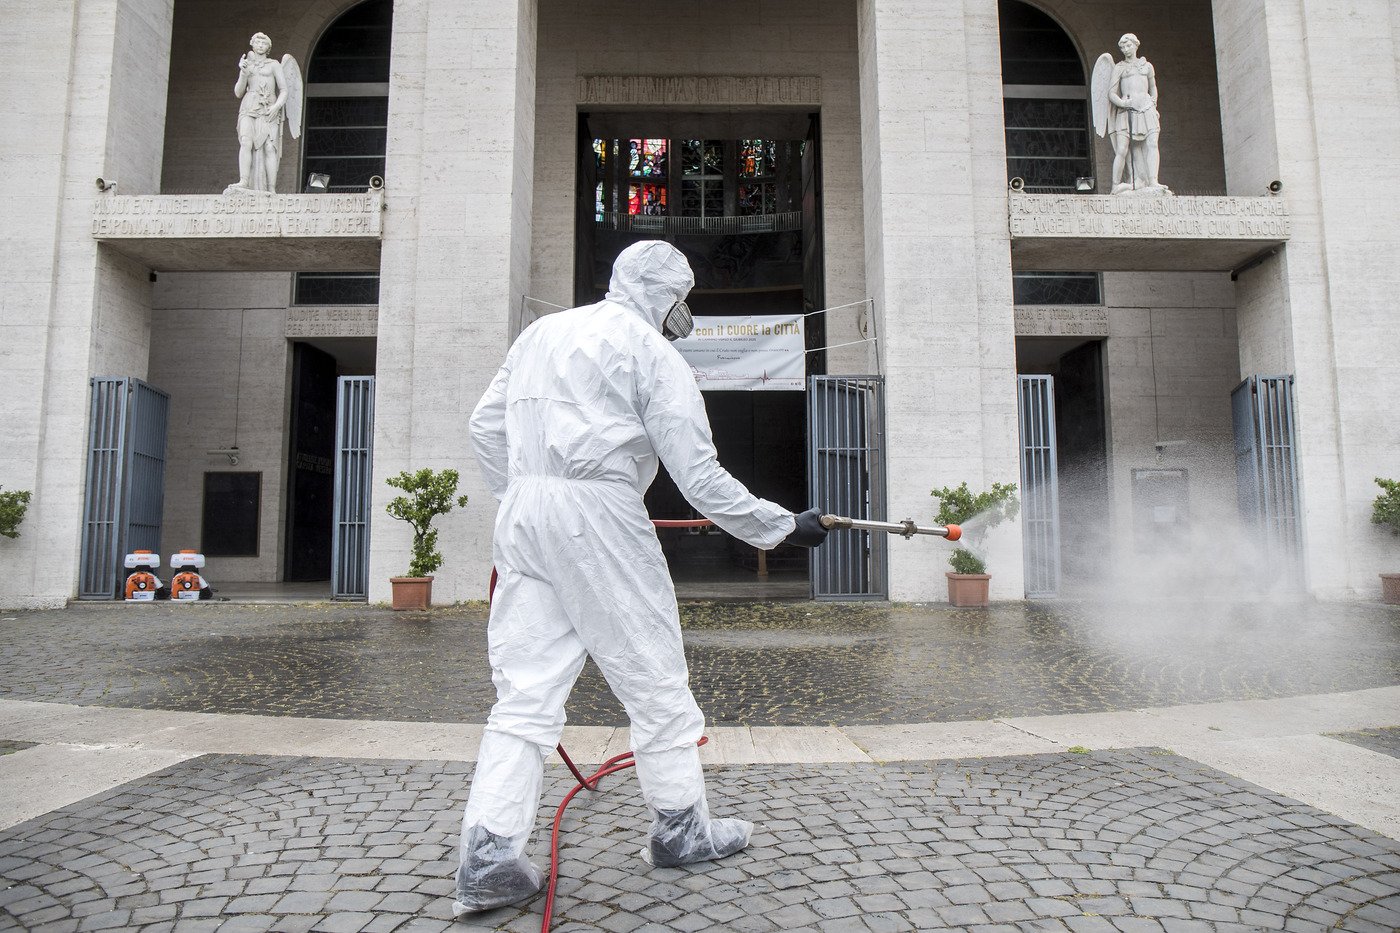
(678,323)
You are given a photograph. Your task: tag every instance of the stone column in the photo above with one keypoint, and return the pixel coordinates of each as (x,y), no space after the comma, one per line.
(455,262)
(938,262)
(1310,97)
(87,88)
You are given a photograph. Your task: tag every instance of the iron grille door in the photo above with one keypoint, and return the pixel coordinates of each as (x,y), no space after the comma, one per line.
(354,433)
(124,492)
(1266,474)
(1040,488)
(846,427)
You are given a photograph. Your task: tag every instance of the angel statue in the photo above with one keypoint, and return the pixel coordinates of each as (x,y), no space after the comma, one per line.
(1124,98)
(271,93)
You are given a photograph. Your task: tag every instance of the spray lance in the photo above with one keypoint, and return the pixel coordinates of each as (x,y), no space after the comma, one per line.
(905,529)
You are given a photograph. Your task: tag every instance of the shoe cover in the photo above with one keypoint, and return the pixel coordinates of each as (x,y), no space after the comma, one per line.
(679,837)
(492,874)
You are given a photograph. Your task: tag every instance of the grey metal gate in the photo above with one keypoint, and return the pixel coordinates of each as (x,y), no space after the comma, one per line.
(124,493)
(1266,474)
(1040,487)
(354,448)
(846,469)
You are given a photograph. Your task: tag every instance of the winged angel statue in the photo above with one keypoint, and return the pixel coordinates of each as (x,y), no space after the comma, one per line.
(271,96)
(1124,97)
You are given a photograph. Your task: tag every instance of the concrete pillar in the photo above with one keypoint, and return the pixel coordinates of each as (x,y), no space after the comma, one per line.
(1323,308)
(938,263)
(87,83)
(455,262)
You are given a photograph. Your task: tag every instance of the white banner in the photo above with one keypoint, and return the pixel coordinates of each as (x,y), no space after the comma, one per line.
(749,354)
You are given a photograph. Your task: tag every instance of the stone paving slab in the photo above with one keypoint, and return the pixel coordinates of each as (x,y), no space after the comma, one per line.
(1113,841)
(804,664)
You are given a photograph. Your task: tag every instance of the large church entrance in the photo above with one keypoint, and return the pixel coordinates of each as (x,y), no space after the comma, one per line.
(739,195)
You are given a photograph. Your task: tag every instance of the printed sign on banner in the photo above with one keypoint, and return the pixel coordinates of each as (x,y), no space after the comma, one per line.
(749,354)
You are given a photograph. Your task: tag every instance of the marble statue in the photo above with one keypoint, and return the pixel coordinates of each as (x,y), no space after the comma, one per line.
(1124,97)
(271,97)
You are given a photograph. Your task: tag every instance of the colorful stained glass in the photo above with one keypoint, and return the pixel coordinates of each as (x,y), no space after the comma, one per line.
(646,199)
(758,198)
(647,158)
(758,158)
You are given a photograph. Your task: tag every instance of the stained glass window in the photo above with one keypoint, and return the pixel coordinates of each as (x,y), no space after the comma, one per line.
(1056,288)
(345,136)
(646,199)
(702,172)
(1047,142)
(758,158)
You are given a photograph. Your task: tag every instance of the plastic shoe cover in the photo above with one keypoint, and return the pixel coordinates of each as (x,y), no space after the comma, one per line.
(679,837)
(492,874)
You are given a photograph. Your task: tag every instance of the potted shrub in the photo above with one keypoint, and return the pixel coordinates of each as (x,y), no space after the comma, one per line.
(1386,511)
(12,508)
(969,581)
(429,494)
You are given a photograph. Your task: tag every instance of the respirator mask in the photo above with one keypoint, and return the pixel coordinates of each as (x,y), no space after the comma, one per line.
(678,323)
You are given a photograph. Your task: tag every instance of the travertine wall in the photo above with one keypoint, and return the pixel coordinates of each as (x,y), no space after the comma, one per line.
(1324,307)
(85,82)
(790,38)
(218,347)
(938,261)
(455,261)
(1172,355)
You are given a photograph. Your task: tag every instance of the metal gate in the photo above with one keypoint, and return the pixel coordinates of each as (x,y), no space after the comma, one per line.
(1040,488)
(1266,474)
(124,493)
(846,428)
(354,440)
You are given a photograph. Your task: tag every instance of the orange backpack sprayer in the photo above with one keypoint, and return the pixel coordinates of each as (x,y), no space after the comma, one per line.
(188,584)
(906,529)
(142,585)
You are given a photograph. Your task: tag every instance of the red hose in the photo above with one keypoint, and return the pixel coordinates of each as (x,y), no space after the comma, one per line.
(611,766)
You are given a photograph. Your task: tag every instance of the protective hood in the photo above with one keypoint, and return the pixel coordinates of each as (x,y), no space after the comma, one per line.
(649,277)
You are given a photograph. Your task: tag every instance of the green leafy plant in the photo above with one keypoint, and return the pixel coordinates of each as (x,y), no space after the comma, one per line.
(12,507)
(1386,509)
(960,506)
(430,494)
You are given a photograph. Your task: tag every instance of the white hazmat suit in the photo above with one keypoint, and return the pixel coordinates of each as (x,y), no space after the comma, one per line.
(568,435)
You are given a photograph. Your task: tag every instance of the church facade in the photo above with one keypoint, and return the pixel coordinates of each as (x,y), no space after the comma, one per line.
(1149,282)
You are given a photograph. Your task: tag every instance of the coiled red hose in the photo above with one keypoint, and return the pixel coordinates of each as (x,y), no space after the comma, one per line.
(611,766)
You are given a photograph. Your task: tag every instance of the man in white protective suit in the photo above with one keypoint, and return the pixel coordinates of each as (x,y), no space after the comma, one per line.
(568,435)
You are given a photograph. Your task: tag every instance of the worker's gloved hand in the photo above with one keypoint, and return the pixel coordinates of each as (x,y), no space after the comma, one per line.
(809,531)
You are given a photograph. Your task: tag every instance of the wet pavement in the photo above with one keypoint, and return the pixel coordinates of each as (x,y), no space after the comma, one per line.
(779,664)
(1028,768)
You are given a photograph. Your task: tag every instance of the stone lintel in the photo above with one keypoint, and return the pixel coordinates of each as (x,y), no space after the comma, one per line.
(256,232)
(1061,321)
(339,321)
(1125,233)
(699,90)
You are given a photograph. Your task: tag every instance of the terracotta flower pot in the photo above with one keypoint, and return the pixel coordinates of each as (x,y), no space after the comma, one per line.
(412,592)
(1390,588)
(968,589)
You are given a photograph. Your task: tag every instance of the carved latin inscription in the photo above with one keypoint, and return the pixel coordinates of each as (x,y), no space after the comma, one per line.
(277,215)
(689,89)
(1149,218)
(353,321)
(1061,321)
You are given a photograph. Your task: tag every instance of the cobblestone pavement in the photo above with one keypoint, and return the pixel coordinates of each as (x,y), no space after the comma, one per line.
(768,664)
(1114,841)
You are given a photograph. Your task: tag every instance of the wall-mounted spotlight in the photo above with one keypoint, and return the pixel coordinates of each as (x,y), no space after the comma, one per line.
(1017,184)
(1084,183)
(316,183)
(106,184)
(1275,186)
(375,182)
